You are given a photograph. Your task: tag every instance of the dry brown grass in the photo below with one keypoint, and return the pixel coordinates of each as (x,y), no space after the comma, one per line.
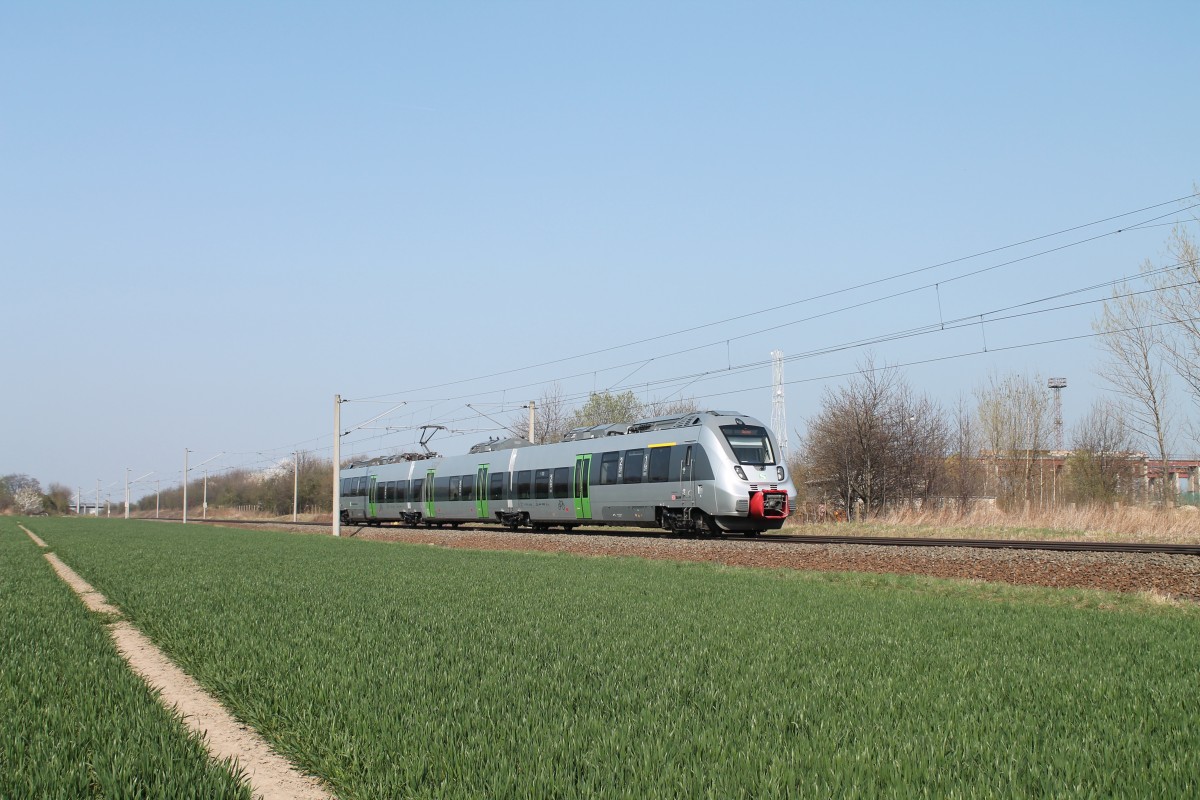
(1094,523)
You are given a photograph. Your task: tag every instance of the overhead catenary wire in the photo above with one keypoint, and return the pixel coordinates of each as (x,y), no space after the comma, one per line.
(317,442)
(691,379)
(832,293)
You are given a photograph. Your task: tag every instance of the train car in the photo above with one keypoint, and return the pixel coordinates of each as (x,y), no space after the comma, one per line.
(706,472)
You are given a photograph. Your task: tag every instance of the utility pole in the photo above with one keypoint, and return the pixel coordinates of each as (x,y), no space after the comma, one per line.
(127,493)
(78,501)
(157,490)
(204,506)
(185,472)
(532,406)
(295,481)
(97,497)
(337,465)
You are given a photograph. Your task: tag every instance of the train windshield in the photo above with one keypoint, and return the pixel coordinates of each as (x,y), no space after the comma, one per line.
(750,444)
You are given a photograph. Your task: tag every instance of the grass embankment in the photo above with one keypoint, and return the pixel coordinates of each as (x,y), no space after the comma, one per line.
(396,670)
(1095,523)
(74,721)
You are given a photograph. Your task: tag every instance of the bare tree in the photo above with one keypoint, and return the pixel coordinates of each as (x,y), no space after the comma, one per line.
(1178,306)
(551,419)
(666,408)
(1014,418)
(964,473)
(1136,369)
(875,443)
(1102,467)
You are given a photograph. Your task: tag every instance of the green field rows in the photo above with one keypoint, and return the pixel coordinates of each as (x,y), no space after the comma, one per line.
(402,670)
(74,721)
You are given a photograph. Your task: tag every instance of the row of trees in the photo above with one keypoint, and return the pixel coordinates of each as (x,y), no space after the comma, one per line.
(22,494)
(877,444)
(270,491)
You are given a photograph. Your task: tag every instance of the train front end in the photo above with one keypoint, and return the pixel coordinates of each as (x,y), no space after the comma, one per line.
(752,486)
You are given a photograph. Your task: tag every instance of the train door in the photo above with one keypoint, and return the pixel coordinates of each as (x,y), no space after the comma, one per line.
(687,478)
(429,508)
(481,492)
(371,507)
(583,501)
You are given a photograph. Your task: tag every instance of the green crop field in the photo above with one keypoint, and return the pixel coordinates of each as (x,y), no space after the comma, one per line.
(403,670)
(74,721)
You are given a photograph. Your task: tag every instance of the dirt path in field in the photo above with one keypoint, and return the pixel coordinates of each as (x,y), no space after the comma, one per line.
(33,536)
(270,776)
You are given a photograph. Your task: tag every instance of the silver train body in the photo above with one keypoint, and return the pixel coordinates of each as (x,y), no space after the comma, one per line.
(709,471)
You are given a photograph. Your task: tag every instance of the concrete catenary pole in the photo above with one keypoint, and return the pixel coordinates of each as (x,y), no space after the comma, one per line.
(295,482)
(532,406)
(157,490)
(185,472)
(337,464)
(127,493)
(97,497)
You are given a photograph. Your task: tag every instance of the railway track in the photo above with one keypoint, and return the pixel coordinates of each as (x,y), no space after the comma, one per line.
(877,541)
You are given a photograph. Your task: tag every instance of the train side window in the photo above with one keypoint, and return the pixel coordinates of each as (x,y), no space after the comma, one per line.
(609,462)
(441,489)
(468,487)
(524,478)
(660,464)
(560,482)
(346,486)
(541,484)
(418,490)
(496,489)
(401,491)
(633,466)
(455,487)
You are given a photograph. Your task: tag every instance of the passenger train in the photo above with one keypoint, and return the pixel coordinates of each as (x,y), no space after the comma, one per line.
(702,472)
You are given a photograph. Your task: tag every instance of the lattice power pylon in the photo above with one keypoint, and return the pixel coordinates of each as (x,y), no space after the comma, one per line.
(1057,384)
(778,407)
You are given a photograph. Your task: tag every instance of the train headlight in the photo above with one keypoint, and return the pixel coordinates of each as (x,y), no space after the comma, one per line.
(741,473)
(779,472)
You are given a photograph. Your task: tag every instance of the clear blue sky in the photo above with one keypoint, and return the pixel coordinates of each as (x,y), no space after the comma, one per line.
(214,216)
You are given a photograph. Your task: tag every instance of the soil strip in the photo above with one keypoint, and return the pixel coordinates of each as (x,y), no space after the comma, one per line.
(34,536)
(270,776)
